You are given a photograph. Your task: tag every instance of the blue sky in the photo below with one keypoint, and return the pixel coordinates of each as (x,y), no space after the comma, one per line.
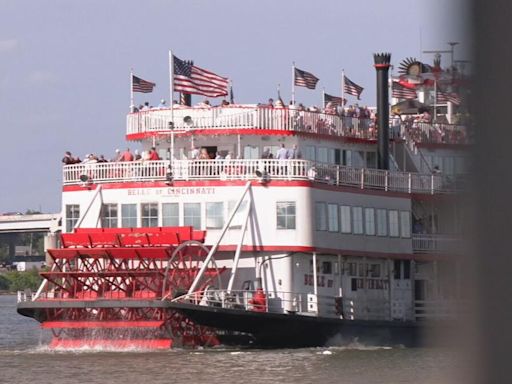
(64,65)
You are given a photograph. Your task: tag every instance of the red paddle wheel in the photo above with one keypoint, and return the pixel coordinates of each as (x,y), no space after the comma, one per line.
(110,287)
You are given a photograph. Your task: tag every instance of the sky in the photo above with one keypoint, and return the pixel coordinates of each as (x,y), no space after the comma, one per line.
(65,65)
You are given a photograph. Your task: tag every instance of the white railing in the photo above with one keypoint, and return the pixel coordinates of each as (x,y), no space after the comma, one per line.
(437,133)
(427,243)
(271,169)
(273,302)
(247,117)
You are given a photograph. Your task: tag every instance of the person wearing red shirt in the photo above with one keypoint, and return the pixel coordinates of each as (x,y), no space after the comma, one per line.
(127,155)
(153,155)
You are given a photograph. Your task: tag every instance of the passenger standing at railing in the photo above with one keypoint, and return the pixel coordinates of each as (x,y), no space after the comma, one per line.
(137,155)
(153,154)
(117,156)
(126,156)
(145,107)
(69,159)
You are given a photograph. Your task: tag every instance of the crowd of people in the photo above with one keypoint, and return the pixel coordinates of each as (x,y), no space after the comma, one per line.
(127,155)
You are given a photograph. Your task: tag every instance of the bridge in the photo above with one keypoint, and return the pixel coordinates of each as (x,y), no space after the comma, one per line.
(14,227)
(42,222)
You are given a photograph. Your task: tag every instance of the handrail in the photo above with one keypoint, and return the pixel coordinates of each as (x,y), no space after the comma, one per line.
(184,119)
(271,169)
(273,301)
(435,243)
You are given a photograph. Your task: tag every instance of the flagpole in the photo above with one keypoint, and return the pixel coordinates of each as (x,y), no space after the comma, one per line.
(293,83)
(342,88)
(171,100)
(131,91)
(435,100)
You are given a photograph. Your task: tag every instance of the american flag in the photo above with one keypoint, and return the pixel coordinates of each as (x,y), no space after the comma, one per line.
(189,78)
(305,79)
(352,88)
(141,85)
(336,101)
(444,97)
(400,92)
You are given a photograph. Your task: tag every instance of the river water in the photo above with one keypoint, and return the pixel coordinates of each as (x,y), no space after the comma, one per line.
(24,358)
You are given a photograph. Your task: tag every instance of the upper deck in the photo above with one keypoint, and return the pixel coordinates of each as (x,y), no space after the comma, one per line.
(245,119)
(254,119)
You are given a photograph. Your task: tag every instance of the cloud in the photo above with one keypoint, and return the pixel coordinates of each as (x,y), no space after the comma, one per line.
(9,45)
(41,77)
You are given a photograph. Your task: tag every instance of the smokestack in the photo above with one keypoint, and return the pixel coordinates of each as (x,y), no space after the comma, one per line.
(382,61)
(186,98)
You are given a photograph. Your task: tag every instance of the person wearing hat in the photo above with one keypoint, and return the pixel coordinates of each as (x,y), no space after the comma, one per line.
(117,156)
(162,104)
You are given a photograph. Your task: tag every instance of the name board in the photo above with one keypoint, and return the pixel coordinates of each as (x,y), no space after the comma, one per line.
(171,191)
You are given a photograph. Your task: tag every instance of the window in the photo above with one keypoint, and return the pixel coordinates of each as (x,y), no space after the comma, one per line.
(321,217)
(309,153)
(322,155)
(251,152)
(192,215)
(239,215)
(397,268)
(149,214)
(214,215)
(357,219)
(128,215)
(405,223)
(109,216)
(285,212)
(382,222)
(326,267)
(374,270)
(331,156)
(346,226)
(407,269)
(369,221)
(394,230)
(347,158)
(72,216)
(371,159)
(352,269)
(332,217)
(170,214)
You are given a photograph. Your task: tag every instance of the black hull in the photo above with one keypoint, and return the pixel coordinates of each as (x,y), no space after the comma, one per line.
(271,330)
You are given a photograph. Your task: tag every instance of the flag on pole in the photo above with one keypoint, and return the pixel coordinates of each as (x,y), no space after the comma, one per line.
(400,92)
(192,79)
(335,100)
(305,79)
(141,85)
(352,88)
(444,97)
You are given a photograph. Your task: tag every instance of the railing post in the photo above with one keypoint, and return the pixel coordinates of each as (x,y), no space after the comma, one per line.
(362,178)
(337,174)
(386,174)
(410,182)
(432,184)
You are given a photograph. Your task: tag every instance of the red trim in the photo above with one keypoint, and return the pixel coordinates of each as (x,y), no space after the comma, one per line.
(58,343)
(249,132)
(239,183)
(101,324)
(344,252)
(379,66)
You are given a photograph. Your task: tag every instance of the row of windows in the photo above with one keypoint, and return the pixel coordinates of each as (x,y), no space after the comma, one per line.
(358,220)
(169,214)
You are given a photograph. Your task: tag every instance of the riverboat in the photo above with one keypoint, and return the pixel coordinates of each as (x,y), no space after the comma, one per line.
(354,236)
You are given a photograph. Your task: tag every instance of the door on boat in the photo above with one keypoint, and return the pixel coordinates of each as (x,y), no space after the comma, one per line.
(401,290)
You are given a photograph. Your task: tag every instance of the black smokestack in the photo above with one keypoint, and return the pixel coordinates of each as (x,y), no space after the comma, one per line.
(382,61)
(186,98)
